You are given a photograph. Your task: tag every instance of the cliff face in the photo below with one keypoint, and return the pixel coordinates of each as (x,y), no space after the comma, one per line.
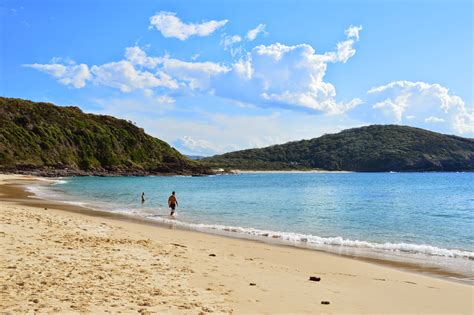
(55,140)
(376,148)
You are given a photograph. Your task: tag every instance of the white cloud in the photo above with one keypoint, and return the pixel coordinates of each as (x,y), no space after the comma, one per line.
(277,50)
(138,57)
(158,99)
(422,104)
(395,108)
(165,99)
(270,75)
(122,75)
(253,33)
(67,74)
(433,119)
(129,75)
(287,76)
(228,42)
(353,31)
(243,68)
(197,74)
(345,50)
(219,133)
(187,144)
(171,26)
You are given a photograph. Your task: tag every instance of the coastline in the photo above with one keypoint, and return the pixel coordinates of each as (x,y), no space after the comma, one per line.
(451,264)
(67,172)
(293,172)
(219,283)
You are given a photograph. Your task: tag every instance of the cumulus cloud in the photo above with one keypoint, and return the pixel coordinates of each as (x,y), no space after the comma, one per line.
(68,74)
(269,75)
(137,71)
(196,74)
(423,104)
(171,26)
(170,71)
(138,57)
(253,33)
(123,76)
(288,76)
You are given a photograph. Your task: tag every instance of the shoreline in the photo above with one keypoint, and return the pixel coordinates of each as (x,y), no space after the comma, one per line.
(457,269)
(225,245)
(293,172)
(339,172)
(58,172)
(402,261)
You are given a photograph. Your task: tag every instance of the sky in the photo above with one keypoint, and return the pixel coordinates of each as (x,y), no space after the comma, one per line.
(216,76)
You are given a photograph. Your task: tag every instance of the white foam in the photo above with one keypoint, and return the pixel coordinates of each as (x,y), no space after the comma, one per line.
(38,191)
(76,203)
(60,182)
(313,241)
(52,180)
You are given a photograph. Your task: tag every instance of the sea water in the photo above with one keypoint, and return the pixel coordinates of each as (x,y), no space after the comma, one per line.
(425,218)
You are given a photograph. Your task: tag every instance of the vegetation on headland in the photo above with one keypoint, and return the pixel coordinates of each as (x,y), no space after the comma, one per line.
(46,139)
(376,148)
(55,140)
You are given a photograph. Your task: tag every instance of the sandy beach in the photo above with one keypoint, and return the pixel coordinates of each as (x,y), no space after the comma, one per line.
(59,258)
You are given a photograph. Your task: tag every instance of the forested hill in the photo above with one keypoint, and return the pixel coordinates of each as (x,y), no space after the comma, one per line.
(376,148)
(55,140)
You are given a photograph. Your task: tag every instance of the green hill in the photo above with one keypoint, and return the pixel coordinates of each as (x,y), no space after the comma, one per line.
(376,148)
(57,140)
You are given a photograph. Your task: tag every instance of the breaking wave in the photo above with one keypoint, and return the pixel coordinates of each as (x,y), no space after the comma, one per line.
(318,242)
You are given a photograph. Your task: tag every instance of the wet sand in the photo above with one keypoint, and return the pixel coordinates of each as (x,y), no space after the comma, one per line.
(59,258)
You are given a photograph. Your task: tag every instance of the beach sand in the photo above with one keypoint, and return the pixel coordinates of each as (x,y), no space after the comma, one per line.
(61,259)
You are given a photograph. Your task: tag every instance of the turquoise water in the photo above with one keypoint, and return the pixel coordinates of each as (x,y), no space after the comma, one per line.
(421,213)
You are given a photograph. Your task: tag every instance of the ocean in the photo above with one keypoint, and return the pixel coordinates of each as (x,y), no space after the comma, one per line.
(425,219)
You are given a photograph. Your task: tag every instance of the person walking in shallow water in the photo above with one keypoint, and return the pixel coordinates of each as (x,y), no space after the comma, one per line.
(172,202)
(143,197)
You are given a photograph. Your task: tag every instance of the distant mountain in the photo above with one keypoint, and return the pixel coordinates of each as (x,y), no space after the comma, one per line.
(376,148)
(56,140)
(195,157)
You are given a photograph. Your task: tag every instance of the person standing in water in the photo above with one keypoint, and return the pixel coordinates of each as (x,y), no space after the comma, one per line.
(143,197)
(172,202)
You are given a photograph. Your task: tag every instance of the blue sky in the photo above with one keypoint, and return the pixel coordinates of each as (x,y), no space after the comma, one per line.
(215,76)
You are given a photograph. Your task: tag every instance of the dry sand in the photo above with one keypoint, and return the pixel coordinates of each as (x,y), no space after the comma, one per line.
(57,261)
